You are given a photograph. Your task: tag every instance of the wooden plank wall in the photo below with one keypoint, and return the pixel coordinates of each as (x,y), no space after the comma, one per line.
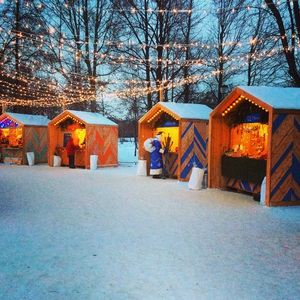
(53,140)
(171,164)
(145,131)
(102,141)
(193,147)
(36,140)
(243,185)
(79,158)
(219,137)
(285,160)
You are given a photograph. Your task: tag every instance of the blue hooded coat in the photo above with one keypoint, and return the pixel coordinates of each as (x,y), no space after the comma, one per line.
(156,159)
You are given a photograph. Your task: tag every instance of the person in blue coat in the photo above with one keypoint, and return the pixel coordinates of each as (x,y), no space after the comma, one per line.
(156,161)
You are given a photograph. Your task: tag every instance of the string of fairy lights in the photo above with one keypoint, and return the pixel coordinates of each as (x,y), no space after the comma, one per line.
(86,95)
(78,94)
(51,92)
(200,8)
(70,46)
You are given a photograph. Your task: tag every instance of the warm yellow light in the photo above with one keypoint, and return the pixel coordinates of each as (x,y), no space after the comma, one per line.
(173,132)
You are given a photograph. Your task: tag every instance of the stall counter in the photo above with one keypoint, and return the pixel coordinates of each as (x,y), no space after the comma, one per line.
(250,169)
(12,155)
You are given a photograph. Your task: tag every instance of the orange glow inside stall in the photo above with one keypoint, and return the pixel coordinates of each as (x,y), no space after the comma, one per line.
(249,139)
(73,128)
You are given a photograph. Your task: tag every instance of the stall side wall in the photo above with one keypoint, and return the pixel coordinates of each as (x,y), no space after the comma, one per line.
(285,160)
(102,141)
(53,141)
(193,147)
(36,140)
(219,138)
(145,132)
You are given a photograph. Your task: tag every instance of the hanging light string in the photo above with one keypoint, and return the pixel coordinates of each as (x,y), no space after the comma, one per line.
(108,59)
(72,91)
(202,8)
(70,47)
(51,93)
(87,95)
(130,62)
(37,65)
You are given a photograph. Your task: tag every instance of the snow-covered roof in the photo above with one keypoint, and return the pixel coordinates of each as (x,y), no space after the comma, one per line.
(26,119)
(277,97)
(91,117)
(188,110)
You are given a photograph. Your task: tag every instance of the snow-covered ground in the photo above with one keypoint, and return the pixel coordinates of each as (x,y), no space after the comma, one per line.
(110,234)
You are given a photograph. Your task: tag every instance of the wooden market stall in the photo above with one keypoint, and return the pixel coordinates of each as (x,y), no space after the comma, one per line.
(92,132)
(255,134)
(186,126)
(20,134)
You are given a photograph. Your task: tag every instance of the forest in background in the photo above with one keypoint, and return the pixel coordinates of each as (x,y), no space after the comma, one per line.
(120,58)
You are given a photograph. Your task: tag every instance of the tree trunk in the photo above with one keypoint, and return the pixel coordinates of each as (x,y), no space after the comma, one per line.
(288,51)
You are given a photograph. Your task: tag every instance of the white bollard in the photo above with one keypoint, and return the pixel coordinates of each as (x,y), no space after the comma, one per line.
(93,162)
(263,192)
(142,168)
(196,179)
(30,158)
(56,161)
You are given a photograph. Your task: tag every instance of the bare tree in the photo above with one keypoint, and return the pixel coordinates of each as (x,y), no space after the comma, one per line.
(263,64)
(21,83)
(225,34)
(133,28)
(77,48)
(158,59)
(188,36)
(287,18)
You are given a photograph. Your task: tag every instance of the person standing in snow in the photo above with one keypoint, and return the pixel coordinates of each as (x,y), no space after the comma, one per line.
(70,147)
(156,164)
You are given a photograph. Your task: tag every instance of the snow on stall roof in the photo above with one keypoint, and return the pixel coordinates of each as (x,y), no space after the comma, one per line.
(26,119)
(92,117)
(188,110)
(277,97)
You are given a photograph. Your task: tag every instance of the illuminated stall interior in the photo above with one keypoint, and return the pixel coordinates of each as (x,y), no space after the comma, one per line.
(168,124)
(244,158)
(69,125)
(11,133)
(248,123)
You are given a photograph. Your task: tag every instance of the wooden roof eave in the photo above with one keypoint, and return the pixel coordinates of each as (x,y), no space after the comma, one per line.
(171,113)
(7,116)
(256,100)
(227,101)
(231,98)
(155,109)
(63,115)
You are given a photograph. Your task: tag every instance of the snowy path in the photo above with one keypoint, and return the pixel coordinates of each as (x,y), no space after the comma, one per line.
(109,234)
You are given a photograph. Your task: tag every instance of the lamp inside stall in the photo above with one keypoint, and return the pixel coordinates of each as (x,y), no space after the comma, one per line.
(248,124)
